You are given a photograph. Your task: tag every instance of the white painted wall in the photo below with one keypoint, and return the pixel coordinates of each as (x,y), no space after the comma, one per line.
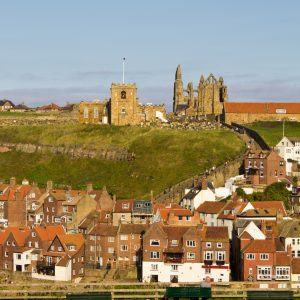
(64,273)
(188,272)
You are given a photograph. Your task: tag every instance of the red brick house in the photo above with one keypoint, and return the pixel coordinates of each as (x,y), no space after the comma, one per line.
(264,167)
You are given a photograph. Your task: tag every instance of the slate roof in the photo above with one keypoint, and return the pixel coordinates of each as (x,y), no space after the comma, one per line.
(290,229)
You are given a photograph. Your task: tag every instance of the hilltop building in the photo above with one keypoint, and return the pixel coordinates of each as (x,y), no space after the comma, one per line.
(207,99)
(123,108)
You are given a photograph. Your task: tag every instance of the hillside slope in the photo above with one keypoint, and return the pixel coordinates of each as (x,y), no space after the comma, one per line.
(163,157)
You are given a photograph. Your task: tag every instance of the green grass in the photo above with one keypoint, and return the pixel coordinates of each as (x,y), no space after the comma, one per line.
(5,114)
(272,132)
(163,156)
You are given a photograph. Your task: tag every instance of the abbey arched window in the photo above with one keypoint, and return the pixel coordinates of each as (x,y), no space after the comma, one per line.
(123,95)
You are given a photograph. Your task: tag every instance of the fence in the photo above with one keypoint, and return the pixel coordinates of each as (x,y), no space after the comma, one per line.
(118,290)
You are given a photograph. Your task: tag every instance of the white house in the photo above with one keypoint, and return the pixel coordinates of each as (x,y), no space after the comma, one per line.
(289,149)
(194,197)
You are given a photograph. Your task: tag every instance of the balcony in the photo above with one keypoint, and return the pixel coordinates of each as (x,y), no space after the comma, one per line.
(220,262)
(282,277)
(264,277)
(45,268)
(208,262)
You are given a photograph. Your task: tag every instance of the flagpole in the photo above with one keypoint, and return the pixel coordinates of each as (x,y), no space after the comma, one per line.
(123,70)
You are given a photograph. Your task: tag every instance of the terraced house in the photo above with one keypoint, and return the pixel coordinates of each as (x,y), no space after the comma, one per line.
(185,254)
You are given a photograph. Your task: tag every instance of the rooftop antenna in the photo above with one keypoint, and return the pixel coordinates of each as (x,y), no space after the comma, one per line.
(123,70)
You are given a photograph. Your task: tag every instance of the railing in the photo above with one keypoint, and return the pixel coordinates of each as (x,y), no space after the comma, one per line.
(133,290)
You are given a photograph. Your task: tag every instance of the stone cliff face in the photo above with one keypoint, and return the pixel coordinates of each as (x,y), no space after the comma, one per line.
(71,152)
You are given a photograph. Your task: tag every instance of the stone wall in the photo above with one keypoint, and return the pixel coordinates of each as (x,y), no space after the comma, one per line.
(218,176)
(71,152)
(244,118)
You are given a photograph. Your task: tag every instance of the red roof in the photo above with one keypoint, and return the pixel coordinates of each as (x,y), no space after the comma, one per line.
(262,107)
(48,233)
(123,206)
(51,106)
(260,246)
(10,193)
(278,205)
(18,233)
(211,207)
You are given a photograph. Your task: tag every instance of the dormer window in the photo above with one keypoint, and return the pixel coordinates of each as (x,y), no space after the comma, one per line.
(71,247)
(123,95)
(174,242)
(125,205)
(33,234)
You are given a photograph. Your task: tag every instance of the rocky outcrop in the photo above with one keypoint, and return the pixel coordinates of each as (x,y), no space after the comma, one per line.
(116,153)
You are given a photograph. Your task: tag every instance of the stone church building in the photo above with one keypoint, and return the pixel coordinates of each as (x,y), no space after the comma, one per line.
(207,99)
(123,108)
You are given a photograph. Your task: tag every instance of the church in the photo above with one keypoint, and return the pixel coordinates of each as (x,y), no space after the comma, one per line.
(123,108)
(206,100)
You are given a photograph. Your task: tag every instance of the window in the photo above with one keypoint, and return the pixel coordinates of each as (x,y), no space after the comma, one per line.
(250,256)
(8,243)
(283,272)
(179,218)
(293,242)
(110,250)
(293,253)
(123,95)
(123,111)
(221,255)
(111,239)
(219,245)
(29,244)
(188,218)
(13,243)
(19,256)
(154,267)
(71,247)
(261,174)
(50,199)
(123,217)
(52,248)
(53,209)
(123,237)
(281,163)
(174,267)
(190,256)
(191,243)
(154,254)
(261,164)
(59,248)
(125,205)
(96,113)
(124,247)
(154,242)
(86,113)
(250,272)
(208,245)
(174,242)
(207,271)
(264,273)
(208,255)
(264,256)
(6,254)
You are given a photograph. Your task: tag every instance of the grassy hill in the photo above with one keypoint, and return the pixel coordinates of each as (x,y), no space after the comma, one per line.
(271,132)
(163,156)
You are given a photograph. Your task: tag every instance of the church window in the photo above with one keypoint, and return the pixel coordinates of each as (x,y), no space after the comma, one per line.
(123,95)
(96,114)
(86,113)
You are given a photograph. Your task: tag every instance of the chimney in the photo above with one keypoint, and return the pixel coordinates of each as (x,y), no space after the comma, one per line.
(49,185)
(289,250)
(89,187)
(151,195)
(12,181)
(204,183)
(196,181)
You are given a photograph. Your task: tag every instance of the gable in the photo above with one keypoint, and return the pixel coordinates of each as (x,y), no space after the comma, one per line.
(56,243)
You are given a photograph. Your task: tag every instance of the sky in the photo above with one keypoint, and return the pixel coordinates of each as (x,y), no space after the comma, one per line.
(69,50)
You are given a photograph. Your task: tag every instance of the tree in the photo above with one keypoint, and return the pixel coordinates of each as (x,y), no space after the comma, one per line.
(277,192)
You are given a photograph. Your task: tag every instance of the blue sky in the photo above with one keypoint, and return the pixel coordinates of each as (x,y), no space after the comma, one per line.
(71,50)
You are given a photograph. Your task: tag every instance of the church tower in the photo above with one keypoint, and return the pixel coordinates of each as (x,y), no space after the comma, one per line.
(124,104)
(178,90)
